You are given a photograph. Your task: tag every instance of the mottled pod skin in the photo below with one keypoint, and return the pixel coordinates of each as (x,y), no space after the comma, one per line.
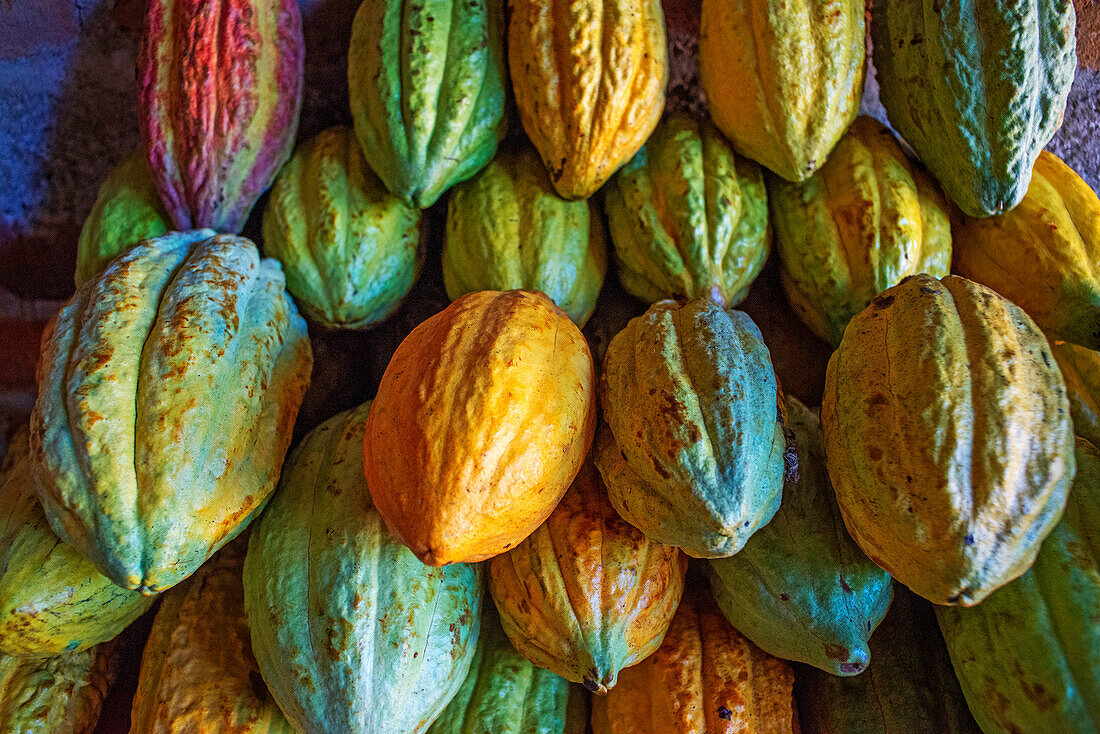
(198,674)
(868,218)
(688,217)
(220,88)
(948,437)
(783,79)
(57,695)
(908,687)
(1044,255)
(351,632)
(1080,369)
(977,88)
(1028,657)
(504,692)
(481,421)
(801,588)
(587,594)
(589,78)
(350,249)
(168,387)
(507,228)
(127,210)
(692,450)
(704,679)
(52,600)
(427,85)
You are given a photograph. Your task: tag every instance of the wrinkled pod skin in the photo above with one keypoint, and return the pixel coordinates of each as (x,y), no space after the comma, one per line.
(1044,255)
(948,437)
(1080,368)
(220,89)
(198,674)
(691,447)
(461,485)
(127,210)
(704,679)
(908,686)
(976,88)
(589,79)
(783,79)
(867,219)
(587,594)
(688,217)
(53,601)
(168,387)
(427,85)
(350,249)
(1028,657)
(801,588)
(504,692)
(352,633)
(507,228)
(56,695)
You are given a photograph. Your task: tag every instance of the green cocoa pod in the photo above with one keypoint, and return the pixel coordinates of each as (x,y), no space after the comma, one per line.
(168,388)
(350,249)
(352,633)
(127,210)
(504,692)
(688,217)
(53,601)
(57,695)
(1081,370)
(801,588)
(976,88)
(426,80)
(867,219)
(692,451)
(507,228)
(1028,657)
(908,687)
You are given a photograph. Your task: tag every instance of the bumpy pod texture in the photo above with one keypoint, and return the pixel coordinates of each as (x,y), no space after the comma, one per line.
(57,695)
(587,594)
(52,600)
(1028,657)
(977,88)
(948,437)
(1044,255)
(507,228)
(127,210)
(168,387)
(220,88)
(351,632)
(692,450)
(198,674)
(704,679)
(868,218)
(427,80)
(1081,370)
(688,217)
(908,687)
(589,78)
(350,249)
(801,588)
(504,692)
(783,79)
(481,421)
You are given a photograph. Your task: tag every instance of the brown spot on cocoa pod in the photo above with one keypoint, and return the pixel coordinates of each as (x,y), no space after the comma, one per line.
(882,302)
(836,652)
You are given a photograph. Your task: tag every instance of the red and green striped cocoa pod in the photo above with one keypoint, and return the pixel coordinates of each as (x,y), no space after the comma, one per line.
(220,88)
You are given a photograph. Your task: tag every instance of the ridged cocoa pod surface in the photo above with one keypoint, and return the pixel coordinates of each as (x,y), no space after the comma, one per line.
(589,79)
(220,89)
